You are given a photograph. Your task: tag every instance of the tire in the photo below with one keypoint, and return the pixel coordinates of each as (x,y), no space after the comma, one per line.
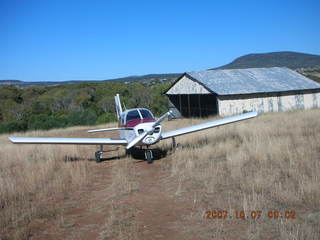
(98,157)
(149,156)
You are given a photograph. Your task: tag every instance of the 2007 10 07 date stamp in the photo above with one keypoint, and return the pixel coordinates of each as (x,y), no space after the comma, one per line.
(256,214)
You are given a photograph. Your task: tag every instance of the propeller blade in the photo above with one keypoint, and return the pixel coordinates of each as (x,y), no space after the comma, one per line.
(163,117)
(137,140)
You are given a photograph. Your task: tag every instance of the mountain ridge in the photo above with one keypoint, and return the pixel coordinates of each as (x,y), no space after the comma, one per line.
(304,63)
(293,60)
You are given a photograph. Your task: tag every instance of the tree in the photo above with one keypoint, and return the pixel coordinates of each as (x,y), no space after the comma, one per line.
(10,93)
(74,104)
(107,104)
(140,96)
(105,118)
(12,110)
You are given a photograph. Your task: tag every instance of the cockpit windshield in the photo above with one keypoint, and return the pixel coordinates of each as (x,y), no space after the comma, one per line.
(142,115)
(133,115)
(145,113)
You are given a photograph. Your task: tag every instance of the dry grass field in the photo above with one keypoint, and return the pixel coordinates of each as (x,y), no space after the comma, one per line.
(270,164)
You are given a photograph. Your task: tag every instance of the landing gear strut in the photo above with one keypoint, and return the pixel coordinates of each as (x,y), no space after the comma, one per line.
(101,151)
(174,144)
(148,155)
(98,154)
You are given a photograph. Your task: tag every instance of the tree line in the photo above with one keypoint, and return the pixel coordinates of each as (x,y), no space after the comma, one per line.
(67,105)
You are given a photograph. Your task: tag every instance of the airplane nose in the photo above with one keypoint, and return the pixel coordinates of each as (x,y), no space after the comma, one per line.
(153,136)
(148,129)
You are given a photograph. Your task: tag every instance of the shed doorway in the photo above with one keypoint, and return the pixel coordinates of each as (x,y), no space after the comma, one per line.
(195,105)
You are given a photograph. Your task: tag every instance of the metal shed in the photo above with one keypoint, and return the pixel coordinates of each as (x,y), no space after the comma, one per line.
(228,92)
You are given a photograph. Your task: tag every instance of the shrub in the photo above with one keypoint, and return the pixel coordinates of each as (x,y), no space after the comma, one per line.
(13,126)
(106,118)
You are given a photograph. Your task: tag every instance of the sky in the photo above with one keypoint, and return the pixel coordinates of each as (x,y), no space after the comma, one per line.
(61,40)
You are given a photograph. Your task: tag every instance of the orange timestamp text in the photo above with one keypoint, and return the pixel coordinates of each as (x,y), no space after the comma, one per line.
(252,214)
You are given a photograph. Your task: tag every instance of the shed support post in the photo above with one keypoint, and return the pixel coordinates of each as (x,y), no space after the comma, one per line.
(199,105)
(189,105)
(180,104)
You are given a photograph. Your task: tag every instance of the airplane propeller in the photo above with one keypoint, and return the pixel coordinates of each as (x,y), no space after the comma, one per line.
(148,131)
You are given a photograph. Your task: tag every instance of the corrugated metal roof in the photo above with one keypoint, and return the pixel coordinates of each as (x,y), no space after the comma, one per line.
(253,80)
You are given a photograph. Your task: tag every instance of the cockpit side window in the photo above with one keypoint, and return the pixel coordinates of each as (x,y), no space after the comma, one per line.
(145,113)
(132,115)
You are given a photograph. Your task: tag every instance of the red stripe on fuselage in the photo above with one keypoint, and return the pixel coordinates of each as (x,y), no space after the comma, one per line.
(134,123)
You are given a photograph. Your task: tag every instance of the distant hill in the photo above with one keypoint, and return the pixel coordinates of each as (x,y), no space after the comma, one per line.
(21,84)
(306,64)
(147,79)
(10,82)
(293,60)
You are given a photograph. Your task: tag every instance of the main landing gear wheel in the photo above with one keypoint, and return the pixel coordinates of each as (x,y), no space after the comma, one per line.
(149,156)
(98,156)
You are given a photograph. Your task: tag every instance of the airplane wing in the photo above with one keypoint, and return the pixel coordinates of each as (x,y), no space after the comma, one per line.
(84,141)
(207,125)
(109,129)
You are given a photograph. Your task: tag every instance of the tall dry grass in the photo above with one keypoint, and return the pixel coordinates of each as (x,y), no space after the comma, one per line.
(270,162)
(36,179)
(33,178)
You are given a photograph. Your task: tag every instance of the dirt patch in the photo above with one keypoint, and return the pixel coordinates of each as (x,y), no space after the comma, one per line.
(149,211)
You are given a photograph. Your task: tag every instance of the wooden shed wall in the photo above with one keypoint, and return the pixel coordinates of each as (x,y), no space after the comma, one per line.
(229,106)
(187,86)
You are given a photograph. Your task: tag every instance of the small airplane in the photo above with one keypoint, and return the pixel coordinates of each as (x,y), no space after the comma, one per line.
(137,127)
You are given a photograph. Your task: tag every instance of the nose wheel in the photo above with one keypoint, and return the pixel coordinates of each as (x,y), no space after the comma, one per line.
(148,156)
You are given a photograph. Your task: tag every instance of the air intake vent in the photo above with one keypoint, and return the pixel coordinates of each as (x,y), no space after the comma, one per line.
(140,131)
(156,130)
